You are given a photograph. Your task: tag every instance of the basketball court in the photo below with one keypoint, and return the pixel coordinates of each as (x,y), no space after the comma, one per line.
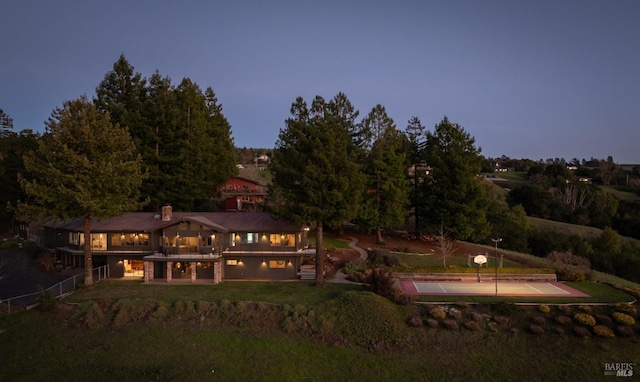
(528,289)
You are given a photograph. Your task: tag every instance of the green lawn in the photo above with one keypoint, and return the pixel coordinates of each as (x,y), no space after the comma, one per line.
(331,242)
(271,292)
(566,228)
(622,195)
(45,346)
(434,260)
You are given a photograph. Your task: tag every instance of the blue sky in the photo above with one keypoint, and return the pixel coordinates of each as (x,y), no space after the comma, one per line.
(528,79)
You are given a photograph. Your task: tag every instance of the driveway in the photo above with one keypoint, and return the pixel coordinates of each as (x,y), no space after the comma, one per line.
(20,275)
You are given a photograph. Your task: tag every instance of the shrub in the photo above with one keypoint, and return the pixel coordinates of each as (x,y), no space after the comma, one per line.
(432,323)
(603,319)
(184,309)
(623,318)
(582,332)
(544,308)
(454,313)
(563,320)
(46,301)
(415,321)
(629,309)
(381,283)
(566,309)
(450,324)
(585,308)
(472,325)
(126,310)
(88,314)
(584,319)
(202,307)
(536,329)
(342,319)
(501,320)
(625,331)
(161,311)
(565,273)
(568,258)
(603,331)
(539,320)
(492,327)
(378,259)
(505,308)
(438,313)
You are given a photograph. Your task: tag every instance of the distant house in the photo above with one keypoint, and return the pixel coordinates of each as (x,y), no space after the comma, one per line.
(187,246)
(241,193)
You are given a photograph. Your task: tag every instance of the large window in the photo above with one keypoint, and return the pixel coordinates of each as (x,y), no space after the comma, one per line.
(277,264)
(129,239)
(244,238)
(285,240)
(98,240)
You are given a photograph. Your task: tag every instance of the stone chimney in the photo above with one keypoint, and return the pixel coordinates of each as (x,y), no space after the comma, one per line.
(167,211)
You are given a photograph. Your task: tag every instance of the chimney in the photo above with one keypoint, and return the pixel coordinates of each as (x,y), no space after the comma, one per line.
(167,211)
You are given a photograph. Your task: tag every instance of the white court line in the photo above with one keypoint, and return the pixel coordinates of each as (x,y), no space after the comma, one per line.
(533,288)
(441,287)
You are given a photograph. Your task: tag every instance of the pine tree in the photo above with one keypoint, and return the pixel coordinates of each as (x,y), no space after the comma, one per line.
(386,196)
(316,177)
(454,196)
(84,167)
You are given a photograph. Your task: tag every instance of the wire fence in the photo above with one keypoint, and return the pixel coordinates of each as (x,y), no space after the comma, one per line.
(28,301)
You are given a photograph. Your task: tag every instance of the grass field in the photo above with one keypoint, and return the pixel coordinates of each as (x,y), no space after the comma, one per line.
(566,228)
(329,241)
(44,346)
(622,195)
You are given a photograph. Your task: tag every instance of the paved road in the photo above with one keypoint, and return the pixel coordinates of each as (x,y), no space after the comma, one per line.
(20,274)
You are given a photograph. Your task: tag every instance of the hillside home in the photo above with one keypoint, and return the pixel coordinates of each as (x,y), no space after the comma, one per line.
(241,193)
(188,246)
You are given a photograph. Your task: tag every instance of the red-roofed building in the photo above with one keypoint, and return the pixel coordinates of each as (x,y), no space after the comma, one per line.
(242,194)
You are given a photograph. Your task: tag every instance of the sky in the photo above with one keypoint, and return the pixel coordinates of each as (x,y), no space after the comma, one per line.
(527,79)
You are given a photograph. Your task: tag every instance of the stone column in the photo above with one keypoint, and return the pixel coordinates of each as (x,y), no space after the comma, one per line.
(148,271)
(217,272)
(169,269)
(192,265)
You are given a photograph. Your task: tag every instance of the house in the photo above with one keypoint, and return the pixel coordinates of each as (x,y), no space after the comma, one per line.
(240,193)
(187,246)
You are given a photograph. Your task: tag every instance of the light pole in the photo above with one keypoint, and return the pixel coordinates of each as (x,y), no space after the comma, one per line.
(495,260)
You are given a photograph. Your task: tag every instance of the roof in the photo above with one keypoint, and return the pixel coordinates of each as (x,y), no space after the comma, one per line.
(217,221)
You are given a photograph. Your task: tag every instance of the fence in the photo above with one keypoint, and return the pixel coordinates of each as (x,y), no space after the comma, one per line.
(27,301)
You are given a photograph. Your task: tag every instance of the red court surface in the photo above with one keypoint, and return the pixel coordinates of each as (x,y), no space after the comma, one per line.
(528,289)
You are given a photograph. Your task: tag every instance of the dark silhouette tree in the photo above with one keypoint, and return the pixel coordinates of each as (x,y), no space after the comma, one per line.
(84,167)
(316,178)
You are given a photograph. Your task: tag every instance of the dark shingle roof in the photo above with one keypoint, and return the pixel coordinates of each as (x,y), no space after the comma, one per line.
(219,221)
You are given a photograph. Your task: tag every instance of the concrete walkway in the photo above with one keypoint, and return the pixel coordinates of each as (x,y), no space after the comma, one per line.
(340,276)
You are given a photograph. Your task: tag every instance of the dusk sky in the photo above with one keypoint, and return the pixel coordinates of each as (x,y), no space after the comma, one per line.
(528,79)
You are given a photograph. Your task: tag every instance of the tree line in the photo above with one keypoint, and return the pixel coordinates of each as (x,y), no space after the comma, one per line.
(329,166)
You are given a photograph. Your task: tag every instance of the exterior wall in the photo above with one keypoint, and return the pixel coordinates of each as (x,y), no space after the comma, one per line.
(251,267)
